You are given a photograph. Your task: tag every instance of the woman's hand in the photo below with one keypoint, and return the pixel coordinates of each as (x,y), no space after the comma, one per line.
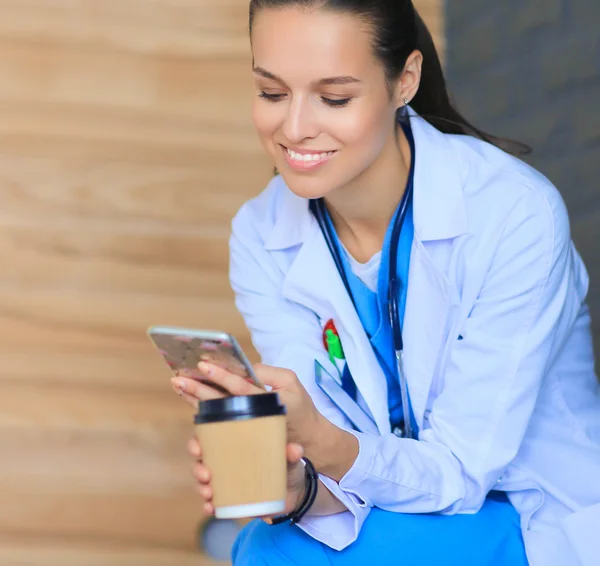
(295,478)
(303,418)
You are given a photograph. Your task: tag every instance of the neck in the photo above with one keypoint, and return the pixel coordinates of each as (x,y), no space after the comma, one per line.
(362,210)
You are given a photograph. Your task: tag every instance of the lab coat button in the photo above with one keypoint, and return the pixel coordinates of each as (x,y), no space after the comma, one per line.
(426,414)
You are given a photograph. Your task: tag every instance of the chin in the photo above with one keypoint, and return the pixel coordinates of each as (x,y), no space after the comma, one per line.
(305,186)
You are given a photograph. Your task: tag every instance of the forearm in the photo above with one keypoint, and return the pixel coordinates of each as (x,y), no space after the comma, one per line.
(332,450)
(326,503)
(336,517)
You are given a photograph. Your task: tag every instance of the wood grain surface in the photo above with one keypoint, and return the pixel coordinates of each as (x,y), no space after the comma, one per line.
(126,147)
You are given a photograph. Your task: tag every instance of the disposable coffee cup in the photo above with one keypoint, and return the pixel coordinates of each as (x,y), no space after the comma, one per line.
(243,440)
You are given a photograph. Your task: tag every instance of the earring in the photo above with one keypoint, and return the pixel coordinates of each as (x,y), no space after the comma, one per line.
(406,101)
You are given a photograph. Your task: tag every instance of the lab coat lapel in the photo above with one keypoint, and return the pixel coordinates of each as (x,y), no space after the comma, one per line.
(314,282)
(427,303)
(439,217)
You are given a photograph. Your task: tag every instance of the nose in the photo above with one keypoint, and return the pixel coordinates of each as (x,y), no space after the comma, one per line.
(299,123)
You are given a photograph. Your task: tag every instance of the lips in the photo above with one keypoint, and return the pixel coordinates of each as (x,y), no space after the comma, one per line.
(305,160)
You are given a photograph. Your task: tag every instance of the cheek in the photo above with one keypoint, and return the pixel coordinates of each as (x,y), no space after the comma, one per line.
(266,122)
(365,133)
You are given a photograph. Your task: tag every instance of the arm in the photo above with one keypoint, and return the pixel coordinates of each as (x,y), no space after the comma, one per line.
(326,503)
(333,450)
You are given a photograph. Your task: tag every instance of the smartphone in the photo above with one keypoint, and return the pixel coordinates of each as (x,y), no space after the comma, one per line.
(184,348)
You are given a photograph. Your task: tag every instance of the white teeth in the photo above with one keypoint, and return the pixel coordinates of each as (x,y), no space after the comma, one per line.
(308,156)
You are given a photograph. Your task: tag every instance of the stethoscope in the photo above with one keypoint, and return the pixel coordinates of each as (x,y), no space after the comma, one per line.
(317,207)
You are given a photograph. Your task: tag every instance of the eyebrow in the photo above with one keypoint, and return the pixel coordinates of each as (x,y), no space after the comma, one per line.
(342,80)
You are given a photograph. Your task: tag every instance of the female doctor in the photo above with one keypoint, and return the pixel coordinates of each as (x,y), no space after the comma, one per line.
(416,295)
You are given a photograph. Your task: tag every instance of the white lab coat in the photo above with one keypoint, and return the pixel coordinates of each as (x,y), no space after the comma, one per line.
(498,352)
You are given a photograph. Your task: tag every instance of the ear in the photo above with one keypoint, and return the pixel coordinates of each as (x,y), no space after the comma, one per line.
(408,82)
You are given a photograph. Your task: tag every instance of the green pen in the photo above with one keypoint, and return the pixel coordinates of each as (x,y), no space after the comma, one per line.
(334,347)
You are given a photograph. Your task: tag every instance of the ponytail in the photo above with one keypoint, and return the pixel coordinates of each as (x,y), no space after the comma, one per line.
(432,101)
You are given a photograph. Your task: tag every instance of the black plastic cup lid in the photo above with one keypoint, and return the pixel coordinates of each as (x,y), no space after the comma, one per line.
(239,407)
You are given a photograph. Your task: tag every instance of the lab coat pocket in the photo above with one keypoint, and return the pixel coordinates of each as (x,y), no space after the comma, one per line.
(354,413)
(581,529)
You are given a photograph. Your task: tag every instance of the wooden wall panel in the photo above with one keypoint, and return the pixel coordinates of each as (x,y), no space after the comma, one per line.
(126,147)
(19,551)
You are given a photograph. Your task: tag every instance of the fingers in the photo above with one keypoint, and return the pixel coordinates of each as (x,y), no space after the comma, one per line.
(192,390)
(194,448)
(206,494)
(205,491)
(230,382)
(220,382)
(203,487)
(201,473)
(189,399)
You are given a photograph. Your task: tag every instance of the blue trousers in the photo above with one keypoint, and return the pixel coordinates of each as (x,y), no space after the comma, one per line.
(491,537)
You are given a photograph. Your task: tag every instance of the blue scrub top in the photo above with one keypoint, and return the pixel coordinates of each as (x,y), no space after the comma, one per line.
(372,308)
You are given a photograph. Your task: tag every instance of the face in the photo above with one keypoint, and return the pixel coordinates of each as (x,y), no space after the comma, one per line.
(322,108)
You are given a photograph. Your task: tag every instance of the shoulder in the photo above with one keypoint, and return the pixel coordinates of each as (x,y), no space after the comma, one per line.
(502,191)
(258,215)
(276,219)
(518,236)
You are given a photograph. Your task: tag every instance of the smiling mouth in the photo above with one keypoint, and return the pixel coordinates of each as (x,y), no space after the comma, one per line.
(308,157)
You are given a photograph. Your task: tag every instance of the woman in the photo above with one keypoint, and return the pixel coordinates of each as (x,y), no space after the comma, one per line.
(492,448)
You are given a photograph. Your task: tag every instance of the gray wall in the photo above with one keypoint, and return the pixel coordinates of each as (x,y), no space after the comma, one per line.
(530,70)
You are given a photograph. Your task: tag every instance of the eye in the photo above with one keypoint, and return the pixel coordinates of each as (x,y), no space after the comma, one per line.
(336,102)
(270,97)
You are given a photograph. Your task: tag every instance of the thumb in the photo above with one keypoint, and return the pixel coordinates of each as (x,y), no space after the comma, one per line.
(295,472)
(277,378)
(294,453)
